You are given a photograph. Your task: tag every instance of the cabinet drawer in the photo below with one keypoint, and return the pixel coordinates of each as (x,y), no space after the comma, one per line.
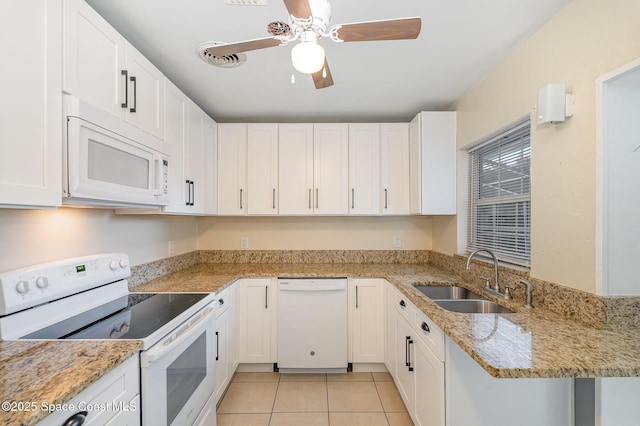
(405,306)
(223,300)
(429,333)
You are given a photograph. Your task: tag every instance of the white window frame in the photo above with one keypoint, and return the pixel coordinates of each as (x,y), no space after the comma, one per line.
(508,236)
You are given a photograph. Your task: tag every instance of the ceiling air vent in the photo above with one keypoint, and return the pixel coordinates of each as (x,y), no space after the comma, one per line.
(247,2)
(226,61)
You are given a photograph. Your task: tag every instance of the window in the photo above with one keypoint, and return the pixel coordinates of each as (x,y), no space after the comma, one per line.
(499,216)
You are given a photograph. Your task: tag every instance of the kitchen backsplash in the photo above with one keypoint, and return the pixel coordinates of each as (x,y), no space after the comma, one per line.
(609,313)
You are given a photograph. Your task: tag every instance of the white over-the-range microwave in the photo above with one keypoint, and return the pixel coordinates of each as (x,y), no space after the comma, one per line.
(109,162)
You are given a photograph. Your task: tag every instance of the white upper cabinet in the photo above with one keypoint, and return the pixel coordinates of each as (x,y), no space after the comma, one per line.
(330,168)
(232,169)
(211,166)
(433,163)
(295,169)
(364,169)
(189,135)
(102,68)
(30,105)
(262,169)
(394,168)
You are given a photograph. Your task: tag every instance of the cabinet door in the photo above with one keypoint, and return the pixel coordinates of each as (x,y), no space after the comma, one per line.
(394,168)
(330,168)
(405,362)
(429,377)
(176,112)
(438,162)
(232,175)
(94,59)
(262,169)
(364,169)
(367,313)
(195,157)
(295,171)
(232,328)
(414,166)
(146,93)
(223,373)
(210,166)
(390,352)
(30,105)
(256,320)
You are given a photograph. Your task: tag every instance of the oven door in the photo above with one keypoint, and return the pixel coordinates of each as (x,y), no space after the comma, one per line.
(105,168)
(178,373)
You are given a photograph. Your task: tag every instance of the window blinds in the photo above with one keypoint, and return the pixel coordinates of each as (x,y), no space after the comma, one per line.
(499,195)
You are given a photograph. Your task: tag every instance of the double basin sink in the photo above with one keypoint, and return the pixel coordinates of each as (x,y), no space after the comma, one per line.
(459,299)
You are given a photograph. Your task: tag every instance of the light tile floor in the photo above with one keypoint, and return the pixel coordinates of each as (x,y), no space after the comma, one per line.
(351,399)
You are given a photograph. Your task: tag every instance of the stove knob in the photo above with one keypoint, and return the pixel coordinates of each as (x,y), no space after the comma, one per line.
(22,286)
(114,265)
(114,334)
(123,263)
(42,282)
(124,328)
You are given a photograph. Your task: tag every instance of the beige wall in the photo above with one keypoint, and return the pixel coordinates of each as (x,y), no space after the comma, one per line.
(585,40)
(314,233)
(34,236)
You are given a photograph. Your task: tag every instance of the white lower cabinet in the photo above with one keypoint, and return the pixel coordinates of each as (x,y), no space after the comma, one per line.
(441,384)
(118,390)
(226,332)
(256,320)
(366,312)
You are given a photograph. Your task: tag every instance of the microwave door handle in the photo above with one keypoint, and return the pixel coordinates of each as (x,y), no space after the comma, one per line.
(159,350)
(158,175)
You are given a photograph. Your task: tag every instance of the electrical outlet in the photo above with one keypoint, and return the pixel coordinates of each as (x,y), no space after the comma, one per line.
(397,241)
(244,243)
(171,247)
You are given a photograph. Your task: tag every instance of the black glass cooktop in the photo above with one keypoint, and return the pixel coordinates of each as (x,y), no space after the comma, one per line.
(135,316)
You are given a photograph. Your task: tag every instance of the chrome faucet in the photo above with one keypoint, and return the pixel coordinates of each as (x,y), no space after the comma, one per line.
(496,284)
(528,291)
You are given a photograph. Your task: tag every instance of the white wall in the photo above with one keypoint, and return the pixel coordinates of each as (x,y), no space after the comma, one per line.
(30,237)
(314,233)
(585,40)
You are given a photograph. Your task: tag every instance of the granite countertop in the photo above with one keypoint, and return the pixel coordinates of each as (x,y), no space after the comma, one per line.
(530,343)
(53,372)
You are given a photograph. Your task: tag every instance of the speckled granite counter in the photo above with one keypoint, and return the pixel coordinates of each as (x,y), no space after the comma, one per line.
(54,372)
(527,344)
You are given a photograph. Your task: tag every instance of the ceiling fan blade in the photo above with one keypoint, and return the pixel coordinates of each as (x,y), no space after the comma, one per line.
(298,8)
(321,81)
(390,29)
(243,46)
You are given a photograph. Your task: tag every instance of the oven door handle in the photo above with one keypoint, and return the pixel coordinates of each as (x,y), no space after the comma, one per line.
(184,333)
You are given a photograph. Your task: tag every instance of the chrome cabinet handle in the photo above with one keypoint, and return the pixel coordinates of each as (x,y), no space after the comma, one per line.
(309,198)
(240,198)
(188,182)
(273,198)
(356,297)
(77,419)
(217,346)
(125,104)
(386,199)
(266,297)
(192,186)
(353,198)
(316,198)
(409,354)
(406,351)
(135,93)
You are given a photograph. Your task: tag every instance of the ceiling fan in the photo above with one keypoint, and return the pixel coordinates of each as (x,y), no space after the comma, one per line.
(308,23)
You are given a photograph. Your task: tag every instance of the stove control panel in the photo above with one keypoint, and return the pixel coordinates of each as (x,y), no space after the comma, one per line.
(28,287)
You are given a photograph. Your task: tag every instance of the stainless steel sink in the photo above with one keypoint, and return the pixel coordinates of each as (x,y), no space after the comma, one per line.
(436,292)
(473,306)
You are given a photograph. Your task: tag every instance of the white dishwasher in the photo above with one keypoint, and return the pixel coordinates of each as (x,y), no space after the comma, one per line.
(312,325)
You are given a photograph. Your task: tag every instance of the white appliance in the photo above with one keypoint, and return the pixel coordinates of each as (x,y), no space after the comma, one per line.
(88,298)
(312,325)
(108,162)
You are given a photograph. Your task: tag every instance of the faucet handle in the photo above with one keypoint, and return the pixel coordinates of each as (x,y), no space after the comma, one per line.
(487,281)
(507,291)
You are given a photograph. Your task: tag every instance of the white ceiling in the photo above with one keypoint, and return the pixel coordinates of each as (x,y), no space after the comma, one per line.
(460,42)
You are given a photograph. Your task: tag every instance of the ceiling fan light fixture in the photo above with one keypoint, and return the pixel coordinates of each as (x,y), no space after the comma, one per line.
(307,57)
